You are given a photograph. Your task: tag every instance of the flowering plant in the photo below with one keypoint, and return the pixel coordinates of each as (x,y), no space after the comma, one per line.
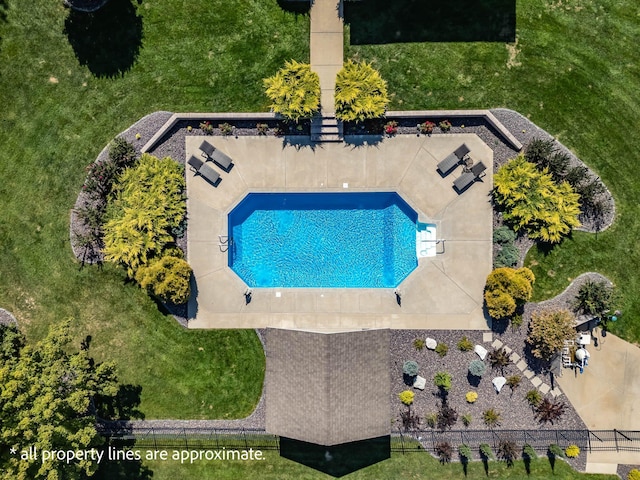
(206,126)
(426,128)
(391,128)
(225,128)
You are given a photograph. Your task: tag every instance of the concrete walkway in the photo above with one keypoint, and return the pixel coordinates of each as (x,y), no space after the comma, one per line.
(326,45)
(606,396)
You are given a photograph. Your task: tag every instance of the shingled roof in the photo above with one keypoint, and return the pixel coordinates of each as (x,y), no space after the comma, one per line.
(327,388)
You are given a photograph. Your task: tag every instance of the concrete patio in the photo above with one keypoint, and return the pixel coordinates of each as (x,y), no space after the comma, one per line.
(444,291)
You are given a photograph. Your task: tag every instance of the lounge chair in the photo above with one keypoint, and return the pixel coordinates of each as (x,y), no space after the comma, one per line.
(466,179)
(211,152)
(205,170)
(453,160)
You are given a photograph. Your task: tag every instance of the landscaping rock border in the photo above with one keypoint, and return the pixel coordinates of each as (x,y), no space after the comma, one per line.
(7,318)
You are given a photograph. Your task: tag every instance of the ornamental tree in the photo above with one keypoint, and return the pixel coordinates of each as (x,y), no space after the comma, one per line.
(533,202)
(47,396)
(294,91)
(361,93)
(507,288)
(548,331)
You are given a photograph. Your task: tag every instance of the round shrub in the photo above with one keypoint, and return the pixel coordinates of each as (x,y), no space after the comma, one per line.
(167,278)
(572,451)
(634,474)
(477,368)
(442,380)
(471,397)
(406,397)
(507,256)
(503,235)
(294,91)
(410,368)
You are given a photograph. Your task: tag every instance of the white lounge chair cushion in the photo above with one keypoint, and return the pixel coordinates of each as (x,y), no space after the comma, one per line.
(481,351)
(420,383)
(499,382)
(431,344)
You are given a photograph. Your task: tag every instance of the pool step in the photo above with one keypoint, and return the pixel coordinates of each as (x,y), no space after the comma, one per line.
(326,129)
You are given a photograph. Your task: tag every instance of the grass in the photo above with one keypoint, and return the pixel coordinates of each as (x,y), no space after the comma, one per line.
(59,111)
(573,71)
(412,465)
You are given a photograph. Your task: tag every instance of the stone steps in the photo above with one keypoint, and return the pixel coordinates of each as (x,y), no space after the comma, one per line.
(326,129)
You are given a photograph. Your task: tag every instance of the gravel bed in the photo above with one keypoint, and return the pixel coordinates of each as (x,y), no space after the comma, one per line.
(7,318)
(623,470)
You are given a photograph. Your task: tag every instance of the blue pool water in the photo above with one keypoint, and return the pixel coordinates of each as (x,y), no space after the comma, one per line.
(358,240)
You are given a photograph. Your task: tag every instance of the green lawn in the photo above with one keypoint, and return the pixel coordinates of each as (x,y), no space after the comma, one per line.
(575,74)
(56,117)
(412,465)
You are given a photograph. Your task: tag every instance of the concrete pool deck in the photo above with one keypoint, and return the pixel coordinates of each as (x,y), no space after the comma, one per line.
(443,292)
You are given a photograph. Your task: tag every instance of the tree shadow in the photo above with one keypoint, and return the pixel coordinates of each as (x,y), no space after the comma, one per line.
(107,41)
(381,22)
(123,406)
(295,6)
(122,469)
(337,460)
(552,461)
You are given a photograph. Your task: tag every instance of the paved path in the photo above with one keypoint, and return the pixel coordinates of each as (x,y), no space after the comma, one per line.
(606,396)
(326,45)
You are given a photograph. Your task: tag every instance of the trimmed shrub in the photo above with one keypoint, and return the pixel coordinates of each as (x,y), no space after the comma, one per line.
(534,397)
(406,397)
(465,345)
(442,380)
(485,451)
(633,474)
(464,451)
(166,278)
(556,451)
(410,368)
(442,349)
(572,451)
(548,331)
(491,418)
(503,235)
(477,368)
(533,202)
(471,397)
(294,91)
(508,256)
(506,288)
(418,344)
(361,93)
(529,452)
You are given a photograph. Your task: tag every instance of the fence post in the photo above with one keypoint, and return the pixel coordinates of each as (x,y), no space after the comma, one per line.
(615,437)
(155,442)
(186,442)
(589,440)
(244,434)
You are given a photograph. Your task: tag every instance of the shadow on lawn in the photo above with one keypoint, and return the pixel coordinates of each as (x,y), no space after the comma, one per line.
(401,21)
(107,41)
(122,469)
(337,460)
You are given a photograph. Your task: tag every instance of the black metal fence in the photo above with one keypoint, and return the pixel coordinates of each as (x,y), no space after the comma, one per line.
(403,442)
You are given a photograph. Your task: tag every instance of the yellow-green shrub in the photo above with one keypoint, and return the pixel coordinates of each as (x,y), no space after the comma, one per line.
(506,288)
(406,397)
(633,474)
(167,278)
(471,397)
(361,93)
(572,451)
(294,91)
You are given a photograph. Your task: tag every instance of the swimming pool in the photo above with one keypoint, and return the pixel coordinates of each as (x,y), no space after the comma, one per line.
(353,240)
